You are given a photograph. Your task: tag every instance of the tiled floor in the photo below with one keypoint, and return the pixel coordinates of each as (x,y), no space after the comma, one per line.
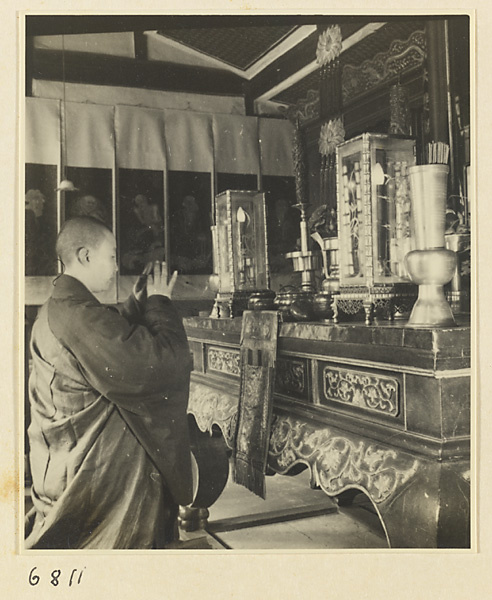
(303,519)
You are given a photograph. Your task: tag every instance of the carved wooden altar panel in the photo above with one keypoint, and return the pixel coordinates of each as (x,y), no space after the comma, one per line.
(222,360)
(293,378)
(383,410)
(214,407)
(339,461)
(376,393)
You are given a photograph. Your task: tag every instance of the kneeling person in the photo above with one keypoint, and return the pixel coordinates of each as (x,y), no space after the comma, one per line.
(109,442)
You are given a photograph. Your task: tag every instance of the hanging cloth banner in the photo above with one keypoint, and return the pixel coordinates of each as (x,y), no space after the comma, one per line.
(42,131)
(236,146)
(189,141)
(276,147)
(140,138)
(90,135)
(258,353)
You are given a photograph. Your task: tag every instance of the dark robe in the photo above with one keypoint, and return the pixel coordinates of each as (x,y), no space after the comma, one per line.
(109,443)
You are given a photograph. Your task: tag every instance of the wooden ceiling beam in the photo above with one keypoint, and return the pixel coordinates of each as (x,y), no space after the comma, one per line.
(284,67)
(94,69)
(77,24)
(301,60)
(140,45)
(266,88)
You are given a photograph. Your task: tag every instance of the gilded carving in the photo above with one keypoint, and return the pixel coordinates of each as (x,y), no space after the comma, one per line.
(258,330)
(401,56)
(350,306)
(254,411)
(290,376)
(212,407)
(339,462)
(223,361)
(362,389)
(305,109)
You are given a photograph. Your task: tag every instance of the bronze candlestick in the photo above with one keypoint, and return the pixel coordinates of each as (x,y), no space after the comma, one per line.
(304,261)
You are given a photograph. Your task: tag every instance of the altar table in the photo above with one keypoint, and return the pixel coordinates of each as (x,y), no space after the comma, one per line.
(381,409)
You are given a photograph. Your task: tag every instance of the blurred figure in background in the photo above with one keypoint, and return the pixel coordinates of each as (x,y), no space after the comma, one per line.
(39,254)
(192,240)
(144,239)
(88,205)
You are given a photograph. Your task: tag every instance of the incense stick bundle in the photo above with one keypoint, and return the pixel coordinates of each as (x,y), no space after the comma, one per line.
(437,153)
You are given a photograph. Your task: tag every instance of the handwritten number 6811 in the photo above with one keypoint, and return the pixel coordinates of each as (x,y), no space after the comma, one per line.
(56,577)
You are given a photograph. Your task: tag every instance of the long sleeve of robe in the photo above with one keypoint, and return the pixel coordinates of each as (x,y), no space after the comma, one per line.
(109,440)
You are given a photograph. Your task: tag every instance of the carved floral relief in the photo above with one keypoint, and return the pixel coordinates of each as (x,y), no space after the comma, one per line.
(290,376)
(402,56)
(258,330)
(329,45)
(339,461)
(365,390)
(213,407)
(331,134)
(254,417)
(223,361)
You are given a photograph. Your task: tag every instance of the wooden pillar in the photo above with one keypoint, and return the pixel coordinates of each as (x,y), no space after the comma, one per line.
(140,45)
(249,104)
(29,59)
(436,66)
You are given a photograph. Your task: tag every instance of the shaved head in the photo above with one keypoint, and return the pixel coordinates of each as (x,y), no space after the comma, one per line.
(77,233)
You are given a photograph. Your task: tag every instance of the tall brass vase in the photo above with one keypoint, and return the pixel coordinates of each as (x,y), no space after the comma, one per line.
(430,265)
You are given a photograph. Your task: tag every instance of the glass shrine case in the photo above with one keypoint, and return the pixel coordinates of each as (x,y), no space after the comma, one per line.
(373,201)
(240,249)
